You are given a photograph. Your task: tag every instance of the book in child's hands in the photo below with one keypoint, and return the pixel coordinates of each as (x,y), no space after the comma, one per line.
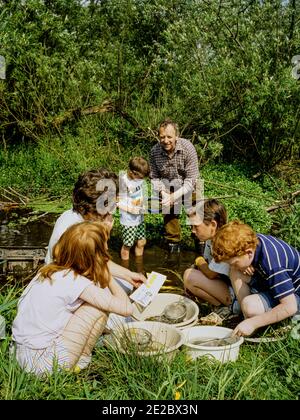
(146,292)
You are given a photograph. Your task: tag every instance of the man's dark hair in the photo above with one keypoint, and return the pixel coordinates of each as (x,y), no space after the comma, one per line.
(85,192)
(167,122)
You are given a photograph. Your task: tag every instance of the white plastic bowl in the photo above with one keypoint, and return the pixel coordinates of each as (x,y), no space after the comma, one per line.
(224,353)
(167,338)
(157,306)
(183,327)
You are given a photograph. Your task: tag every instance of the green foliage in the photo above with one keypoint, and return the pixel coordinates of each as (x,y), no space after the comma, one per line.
(51,168)
(286,225)
(53,165)
(223,71)
(246,200)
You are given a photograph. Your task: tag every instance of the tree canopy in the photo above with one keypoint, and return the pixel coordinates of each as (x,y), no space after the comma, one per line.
(222,69)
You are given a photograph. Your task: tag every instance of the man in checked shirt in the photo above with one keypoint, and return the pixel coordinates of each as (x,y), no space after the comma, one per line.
(174,172)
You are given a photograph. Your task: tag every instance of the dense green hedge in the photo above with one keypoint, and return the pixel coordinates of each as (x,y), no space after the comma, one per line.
(222,70)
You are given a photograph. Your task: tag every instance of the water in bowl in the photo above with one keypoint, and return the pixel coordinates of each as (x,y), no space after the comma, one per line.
(140,338)
(174,313)
(213,341)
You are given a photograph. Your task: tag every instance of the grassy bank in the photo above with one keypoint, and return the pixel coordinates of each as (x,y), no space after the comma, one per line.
(263,371)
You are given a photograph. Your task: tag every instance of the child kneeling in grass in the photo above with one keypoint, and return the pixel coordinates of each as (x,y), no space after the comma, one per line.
(210,282)
(64,309)
(272,293)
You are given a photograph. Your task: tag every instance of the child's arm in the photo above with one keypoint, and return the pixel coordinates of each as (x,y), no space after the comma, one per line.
(286,308)
(116,301)
(202,265)
(129,209)
(239,282)
(116,270)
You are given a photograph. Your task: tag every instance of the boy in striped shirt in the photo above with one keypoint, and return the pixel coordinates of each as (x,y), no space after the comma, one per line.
(265,275)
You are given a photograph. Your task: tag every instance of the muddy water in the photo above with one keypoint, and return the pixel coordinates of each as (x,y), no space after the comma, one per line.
(25,228)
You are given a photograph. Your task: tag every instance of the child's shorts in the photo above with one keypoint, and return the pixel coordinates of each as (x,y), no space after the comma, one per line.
(269,302)
(130,234)
(42,361)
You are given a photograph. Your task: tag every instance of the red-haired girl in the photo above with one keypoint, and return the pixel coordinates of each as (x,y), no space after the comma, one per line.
(64,309)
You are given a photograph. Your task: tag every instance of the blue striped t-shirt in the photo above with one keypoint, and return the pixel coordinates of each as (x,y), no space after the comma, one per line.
(277,267)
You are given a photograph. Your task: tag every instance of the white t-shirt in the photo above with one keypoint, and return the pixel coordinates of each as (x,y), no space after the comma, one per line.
(221,268)
(45,308)
(131,194)
(65,220)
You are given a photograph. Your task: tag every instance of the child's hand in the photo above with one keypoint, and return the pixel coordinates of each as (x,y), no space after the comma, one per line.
(167,199)
(136,279)
(244,328)
(202,266)
(135,210)
(200,261)
(249,271)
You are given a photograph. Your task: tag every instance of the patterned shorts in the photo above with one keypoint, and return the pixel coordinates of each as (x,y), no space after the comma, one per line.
(130,234)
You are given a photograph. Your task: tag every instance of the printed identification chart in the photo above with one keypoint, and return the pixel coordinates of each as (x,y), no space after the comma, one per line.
(146,292)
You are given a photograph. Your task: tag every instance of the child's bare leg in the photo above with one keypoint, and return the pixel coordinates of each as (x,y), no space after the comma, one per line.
(97,330)
(215,292)
(139,264)
(125,263)
(240,285)
(82,330)
(125,250)
(139,248)
(252,305)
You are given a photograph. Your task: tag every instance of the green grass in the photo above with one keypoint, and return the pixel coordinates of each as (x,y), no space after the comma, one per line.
(265,371)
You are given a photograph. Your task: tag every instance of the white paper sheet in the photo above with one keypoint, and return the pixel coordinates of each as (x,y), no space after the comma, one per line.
(147,291)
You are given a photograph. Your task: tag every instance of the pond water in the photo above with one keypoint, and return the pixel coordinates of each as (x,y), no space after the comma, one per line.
(26,228)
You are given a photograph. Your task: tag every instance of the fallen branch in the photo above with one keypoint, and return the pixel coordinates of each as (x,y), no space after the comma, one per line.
(106,106)
(230,187)
(7,198)
(4,206)
(294,194)
(11,195)
(285,203)
(18,194)
(221,197)
(280,206)
(33,218)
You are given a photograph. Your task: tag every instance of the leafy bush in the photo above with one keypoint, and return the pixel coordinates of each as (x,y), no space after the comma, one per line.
(224,72)
(246,200)
(286,225)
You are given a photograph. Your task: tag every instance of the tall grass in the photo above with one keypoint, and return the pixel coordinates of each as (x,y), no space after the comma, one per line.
(262,371)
